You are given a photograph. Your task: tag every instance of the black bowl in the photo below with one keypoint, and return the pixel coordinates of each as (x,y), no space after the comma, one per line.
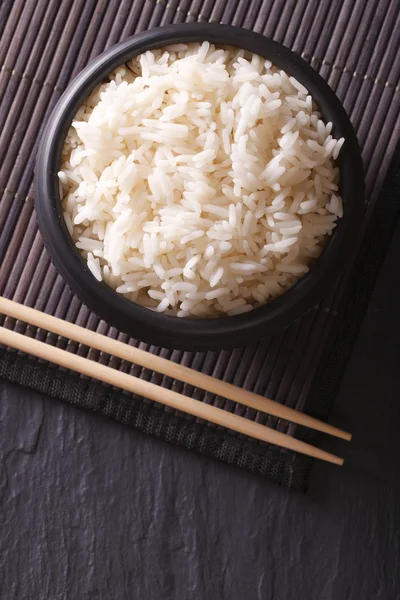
(188,333)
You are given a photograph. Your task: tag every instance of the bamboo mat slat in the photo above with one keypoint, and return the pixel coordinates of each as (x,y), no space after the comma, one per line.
(354,46)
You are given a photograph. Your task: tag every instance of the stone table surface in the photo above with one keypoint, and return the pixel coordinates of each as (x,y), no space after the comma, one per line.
(92,510)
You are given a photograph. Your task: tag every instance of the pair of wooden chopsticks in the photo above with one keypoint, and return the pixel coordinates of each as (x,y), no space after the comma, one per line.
(166,367)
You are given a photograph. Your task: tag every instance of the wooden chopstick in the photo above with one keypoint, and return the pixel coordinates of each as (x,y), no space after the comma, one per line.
(159,394)
(164,366)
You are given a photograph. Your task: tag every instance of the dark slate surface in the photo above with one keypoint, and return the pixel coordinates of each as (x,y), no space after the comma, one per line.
(89,509)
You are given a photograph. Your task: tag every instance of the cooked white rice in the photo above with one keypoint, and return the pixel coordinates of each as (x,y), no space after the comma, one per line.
(200,181)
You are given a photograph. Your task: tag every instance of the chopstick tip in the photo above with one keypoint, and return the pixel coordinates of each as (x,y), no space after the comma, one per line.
(343,435)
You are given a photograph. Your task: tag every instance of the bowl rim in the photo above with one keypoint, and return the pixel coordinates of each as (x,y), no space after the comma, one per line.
(167,330)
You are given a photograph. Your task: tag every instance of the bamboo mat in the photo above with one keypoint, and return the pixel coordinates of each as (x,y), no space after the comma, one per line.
(354,46)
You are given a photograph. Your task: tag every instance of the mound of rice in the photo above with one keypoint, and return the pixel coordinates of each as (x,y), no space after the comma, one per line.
(200,181)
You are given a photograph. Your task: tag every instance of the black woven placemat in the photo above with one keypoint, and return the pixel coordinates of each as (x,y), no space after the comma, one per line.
(43,45)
